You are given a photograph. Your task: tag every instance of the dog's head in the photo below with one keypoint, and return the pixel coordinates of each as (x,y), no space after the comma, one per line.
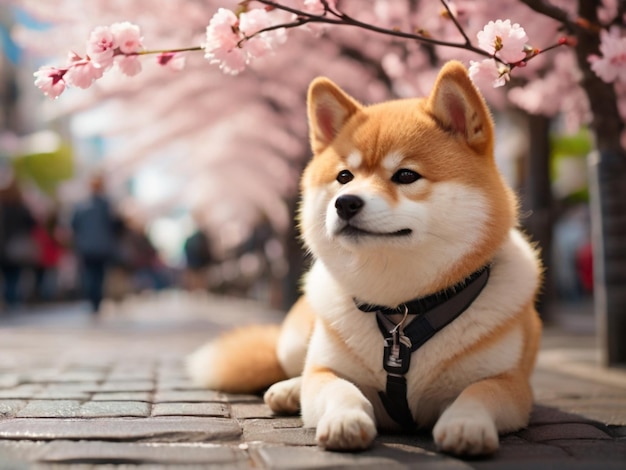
(403,195)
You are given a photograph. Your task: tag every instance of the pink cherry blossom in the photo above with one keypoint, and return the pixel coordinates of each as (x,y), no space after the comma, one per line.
(129,65)
(488,73)
(503,39)
(230,62)
(222,39)
(233,42)
(221,33)
(101,46)
(127,37)
(50,81)
(250,23)
(612,64)
(82,72)
(253,21)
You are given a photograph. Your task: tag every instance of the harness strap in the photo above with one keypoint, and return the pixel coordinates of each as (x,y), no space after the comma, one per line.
(424,327)
(422,305)
(395,402)
(400,342)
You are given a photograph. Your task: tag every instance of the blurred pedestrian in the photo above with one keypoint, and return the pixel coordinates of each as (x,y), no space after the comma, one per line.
(94,226)
(18,249)
(198,258)
(51,249)
(141,258)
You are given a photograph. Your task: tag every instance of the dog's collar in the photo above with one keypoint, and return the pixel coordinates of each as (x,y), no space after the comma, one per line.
(432,313)
(458,297)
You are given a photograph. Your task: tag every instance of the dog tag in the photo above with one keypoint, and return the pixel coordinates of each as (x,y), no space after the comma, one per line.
(397,353)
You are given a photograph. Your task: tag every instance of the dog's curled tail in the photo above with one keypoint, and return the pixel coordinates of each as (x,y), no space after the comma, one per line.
(243,360)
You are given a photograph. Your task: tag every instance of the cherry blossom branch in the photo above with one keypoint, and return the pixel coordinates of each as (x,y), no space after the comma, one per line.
(495,68)
(168,51)
(234,39)
(454,19)
(551,11)
(344,19)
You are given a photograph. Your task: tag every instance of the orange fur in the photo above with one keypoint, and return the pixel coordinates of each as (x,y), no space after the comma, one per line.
(300,317)
(245,360)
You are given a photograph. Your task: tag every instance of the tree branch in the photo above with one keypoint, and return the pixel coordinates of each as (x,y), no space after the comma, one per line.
(556,13)
(456,22)
(346,20)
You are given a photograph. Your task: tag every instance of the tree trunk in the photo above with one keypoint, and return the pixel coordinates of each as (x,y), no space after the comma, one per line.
(296,258)
(537,200)
(608,193)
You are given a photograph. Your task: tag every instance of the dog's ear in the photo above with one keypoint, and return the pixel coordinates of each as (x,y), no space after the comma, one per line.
(458,106)
(329,108)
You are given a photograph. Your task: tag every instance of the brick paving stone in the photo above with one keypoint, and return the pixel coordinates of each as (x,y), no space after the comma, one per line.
(615,415)
(77,376)
(51,409)
(61,395)
(595,450)
(421,439)
(68,391)
(24,391)
(251,410)
(99,452)
(380,456)
(164,375)
(177,384)
(130,375)
(172,371)
(243,398)
(9,408)
(93,363)
(19,454)
(547,465)
(126,386)
(9,380)
(188,429)
(163,396)
(527,452)
(550,415)
(122,396)
(39,375)
(512,439)
(191,409)
(416,456)
(617,431)
(287,431)
(112,409)
(550,432)
(73,386)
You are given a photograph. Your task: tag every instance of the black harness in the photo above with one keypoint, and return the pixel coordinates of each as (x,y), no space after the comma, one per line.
(432,313)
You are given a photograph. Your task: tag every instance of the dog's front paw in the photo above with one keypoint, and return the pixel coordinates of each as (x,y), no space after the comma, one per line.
(466,433)
(346,430)
(284,397)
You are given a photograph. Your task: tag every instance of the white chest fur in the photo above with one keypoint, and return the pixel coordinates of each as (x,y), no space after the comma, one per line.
(349,341)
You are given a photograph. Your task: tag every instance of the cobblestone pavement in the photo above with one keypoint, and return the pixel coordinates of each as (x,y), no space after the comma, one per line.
(80,392)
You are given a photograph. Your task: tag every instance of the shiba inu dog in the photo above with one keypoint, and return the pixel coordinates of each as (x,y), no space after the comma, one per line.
(418,311)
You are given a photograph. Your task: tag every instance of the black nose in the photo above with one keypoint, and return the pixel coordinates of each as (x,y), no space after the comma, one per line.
(348,206)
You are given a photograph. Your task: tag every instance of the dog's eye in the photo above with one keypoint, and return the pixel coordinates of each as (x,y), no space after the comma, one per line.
(345,176)
(404,176)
